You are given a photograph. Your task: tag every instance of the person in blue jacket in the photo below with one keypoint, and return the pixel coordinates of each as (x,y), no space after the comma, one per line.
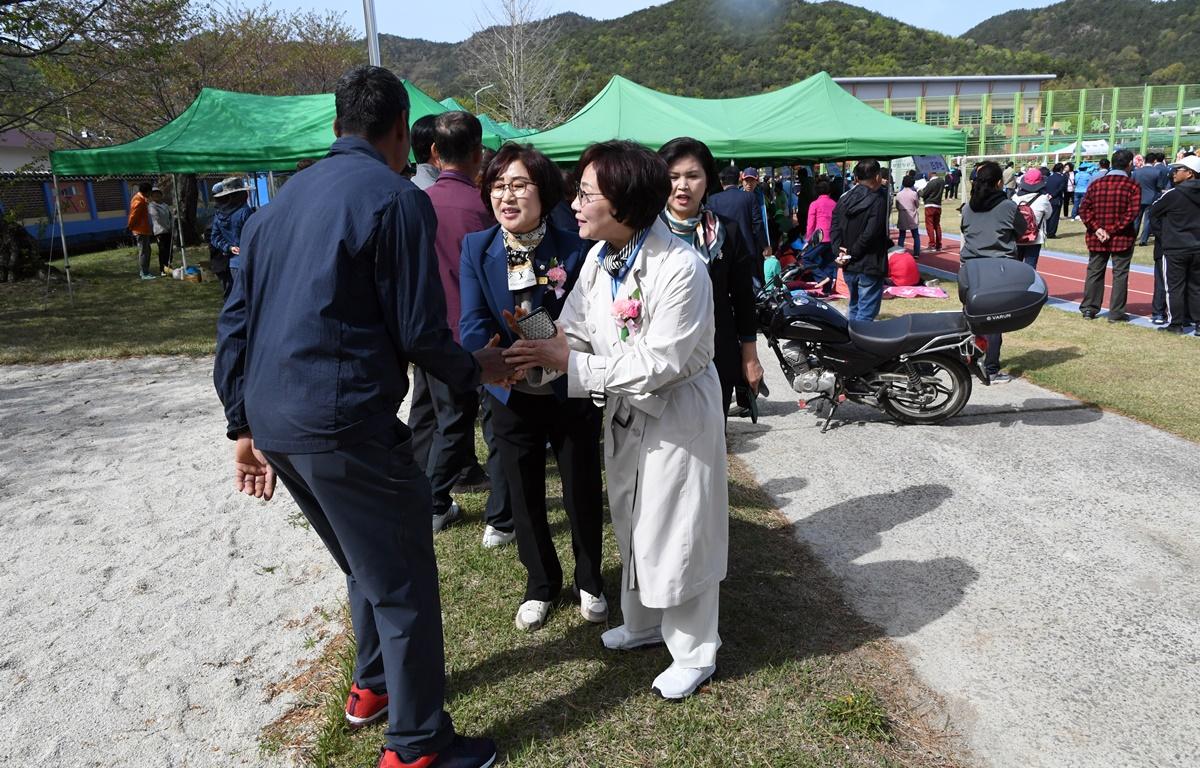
(233,208)
(338,291)
(522,265)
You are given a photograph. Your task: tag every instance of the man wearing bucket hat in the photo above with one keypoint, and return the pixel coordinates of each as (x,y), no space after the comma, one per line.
(233,209)
(1175,219)
(1031,191)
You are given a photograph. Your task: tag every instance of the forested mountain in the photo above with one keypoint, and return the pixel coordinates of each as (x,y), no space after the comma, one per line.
(1129,42)
(719,48)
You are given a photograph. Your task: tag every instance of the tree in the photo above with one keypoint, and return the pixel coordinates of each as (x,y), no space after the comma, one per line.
(517,54)
(94,38)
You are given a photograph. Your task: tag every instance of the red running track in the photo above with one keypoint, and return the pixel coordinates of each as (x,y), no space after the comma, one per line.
(1064,275)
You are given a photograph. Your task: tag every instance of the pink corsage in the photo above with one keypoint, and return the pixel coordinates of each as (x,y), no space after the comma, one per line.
(628,314)
(557,277)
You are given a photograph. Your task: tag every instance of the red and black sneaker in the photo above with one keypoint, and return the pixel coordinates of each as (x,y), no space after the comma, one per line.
(364,706)
(463,752)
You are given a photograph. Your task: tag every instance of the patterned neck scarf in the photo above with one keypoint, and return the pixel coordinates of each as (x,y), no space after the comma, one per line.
(520,246)
(614,261)
(703,231)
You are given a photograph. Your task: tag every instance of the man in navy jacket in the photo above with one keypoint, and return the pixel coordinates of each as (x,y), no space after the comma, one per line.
(1056,187)
(337,293)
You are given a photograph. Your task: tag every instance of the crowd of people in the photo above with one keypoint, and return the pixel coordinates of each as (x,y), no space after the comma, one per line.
(605,315)
(1122,202)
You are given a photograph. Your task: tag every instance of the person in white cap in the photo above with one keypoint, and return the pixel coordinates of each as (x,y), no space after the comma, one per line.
(1175,221)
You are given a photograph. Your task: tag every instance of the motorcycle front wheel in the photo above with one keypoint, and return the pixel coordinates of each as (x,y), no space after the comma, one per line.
(944,388)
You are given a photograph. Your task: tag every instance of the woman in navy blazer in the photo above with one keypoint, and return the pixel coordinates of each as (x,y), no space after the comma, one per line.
(514,268)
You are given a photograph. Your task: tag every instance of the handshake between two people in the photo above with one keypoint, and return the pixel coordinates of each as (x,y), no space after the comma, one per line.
(505,367)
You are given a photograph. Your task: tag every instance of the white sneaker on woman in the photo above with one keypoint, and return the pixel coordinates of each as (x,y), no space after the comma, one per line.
(532,614)
(494,537)
(621,639)
(594,608)
(680,682)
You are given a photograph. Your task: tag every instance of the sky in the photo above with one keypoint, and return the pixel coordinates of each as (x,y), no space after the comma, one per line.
(455,20)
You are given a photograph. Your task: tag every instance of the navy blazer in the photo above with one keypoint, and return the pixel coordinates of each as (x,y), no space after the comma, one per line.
(337,293)
(742,208)
(1056,186)
(483,285)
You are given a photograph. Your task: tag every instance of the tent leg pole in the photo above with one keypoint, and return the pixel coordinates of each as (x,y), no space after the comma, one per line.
(62,233)
(179,219)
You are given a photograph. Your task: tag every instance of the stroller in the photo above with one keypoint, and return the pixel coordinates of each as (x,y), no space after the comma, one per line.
(817,271)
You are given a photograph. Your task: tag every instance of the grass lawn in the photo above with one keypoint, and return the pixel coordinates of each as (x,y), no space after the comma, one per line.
(1139,372)
(801,681)
(114,313)
(1069,240)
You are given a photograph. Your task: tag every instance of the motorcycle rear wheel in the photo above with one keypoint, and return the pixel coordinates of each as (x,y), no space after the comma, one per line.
(945,379)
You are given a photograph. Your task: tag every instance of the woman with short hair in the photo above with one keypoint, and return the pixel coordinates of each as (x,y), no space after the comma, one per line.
(638,335)
(693,174)
(518,267)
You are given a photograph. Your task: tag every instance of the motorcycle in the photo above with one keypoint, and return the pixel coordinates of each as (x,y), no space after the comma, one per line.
(917,368)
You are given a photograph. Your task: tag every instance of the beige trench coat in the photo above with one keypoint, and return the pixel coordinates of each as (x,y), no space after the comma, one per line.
(664,426)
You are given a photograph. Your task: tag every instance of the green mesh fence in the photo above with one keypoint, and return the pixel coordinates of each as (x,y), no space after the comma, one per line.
(1160,118)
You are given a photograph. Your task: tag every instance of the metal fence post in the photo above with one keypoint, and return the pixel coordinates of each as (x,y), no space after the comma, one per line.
(1145,121)
(1079,127)
(1112,120)
(1178,123)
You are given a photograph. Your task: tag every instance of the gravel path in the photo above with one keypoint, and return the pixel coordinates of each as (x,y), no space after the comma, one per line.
(1038,560)
(147,608)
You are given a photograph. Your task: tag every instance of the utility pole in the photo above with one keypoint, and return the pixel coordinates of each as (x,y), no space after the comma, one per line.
(481,90)
(372,32)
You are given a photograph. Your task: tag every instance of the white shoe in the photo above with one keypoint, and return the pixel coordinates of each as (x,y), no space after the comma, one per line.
(494,537)
(444,520)
(680,682)
(532,614)
(594,608)
(621,639)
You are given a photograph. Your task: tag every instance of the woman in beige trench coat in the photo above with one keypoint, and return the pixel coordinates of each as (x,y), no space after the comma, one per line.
(638,335)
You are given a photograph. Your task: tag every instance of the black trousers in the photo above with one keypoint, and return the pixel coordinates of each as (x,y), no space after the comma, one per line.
(1093,288)
(523,426)
(1141,225)
(443,424)
(164,250)
(219,264)
(498,512)
(370,503)
(1158,305)
(1052,219)
(1183,287)
(991,358)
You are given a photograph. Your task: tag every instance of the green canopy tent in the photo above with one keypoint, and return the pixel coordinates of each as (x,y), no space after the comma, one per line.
(506,131)
(814,119)
(225,131)
(228,132)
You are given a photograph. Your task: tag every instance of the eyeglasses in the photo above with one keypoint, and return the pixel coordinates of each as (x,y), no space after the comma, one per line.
(519,187)
(587,197)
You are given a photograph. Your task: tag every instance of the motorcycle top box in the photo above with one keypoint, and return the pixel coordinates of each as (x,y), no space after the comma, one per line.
(1000,295)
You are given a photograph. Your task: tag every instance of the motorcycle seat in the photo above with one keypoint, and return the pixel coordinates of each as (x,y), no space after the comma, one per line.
(889,338)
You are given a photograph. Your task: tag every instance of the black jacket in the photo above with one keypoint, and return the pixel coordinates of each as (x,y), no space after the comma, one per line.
(860,226)
(733,303)
(338,292)
(932,193)
(1056,187)
(741,207)
(1175,218)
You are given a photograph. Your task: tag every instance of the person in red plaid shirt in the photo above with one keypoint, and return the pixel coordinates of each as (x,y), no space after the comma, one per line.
(1108,210)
